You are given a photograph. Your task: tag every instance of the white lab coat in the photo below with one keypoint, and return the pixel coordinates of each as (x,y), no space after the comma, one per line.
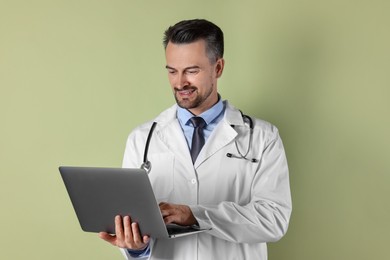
(246,204)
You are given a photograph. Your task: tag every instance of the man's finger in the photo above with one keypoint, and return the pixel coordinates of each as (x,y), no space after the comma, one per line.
(119,228)
(164,206)
(169,219)
(136,234)
(146,239)
(165,213)
(107,237)
(127,229)
(166,209)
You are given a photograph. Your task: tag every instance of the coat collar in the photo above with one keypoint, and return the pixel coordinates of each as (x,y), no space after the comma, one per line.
(171,134)
(232,115)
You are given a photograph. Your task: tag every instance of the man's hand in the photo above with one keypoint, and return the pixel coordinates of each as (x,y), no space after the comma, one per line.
(178,214)
(127,235)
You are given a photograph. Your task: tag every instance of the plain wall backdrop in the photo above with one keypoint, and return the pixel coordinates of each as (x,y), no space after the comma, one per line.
(77,76)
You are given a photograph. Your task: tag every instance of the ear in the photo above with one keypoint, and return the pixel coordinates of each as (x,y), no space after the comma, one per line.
(220,64)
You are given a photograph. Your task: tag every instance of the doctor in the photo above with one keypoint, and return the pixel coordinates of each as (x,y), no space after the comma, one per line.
(237,184)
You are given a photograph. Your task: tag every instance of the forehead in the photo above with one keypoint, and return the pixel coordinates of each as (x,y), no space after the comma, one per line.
(185,54)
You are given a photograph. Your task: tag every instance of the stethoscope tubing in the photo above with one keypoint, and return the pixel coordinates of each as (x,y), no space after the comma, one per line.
(147,165)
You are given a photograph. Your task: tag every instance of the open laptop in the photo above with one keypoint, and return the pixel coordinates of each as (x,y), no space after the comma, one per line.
(100,194)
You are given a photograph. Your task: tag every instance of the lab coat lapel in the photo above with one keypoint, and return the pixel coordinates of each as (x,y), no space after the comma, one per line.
(171,134)
(174,139)
(222,135)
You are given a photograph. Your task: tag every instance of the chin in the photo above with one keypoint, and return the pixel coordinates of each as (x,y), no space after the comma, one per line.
(184,104)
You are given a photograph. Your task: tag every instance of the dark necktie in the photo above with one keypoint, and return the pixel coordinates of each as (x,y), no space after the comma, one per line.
(197,137)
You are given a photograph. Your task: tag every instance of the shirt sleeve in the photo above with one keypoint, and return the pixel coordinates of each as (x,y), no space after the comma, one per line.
(137,254)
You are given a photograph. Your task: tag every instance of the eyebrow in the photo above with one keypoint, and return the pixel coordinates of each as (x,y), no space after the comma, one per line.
(187,68)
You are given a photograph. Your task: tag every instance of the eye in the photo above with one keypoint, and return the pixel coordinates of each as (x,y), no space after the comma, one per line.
(192,71)
(172,72)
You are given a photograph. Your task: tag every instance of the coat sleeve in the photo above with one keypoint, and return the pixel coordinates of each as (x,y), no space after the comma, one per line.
(266,217)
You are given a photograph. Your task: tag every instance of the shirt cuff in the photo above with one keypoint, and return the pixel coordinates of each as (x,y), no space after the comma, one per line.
(139,253)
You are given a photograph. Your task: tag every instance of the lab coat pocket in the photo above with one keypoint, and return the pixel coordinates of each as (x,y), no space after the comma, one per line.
(161,175)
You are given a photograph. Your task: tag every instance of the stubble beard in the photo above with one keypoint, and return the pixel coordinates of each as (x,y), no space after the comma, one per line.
(191,104)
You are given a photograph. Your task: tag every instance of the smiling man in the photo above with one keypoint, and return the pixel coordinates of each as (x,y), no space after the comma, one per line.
(213,166)
(193,75)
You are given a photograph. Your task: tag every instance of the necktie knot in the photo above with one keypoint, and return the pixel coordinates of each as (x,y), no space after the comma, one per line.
(197,121)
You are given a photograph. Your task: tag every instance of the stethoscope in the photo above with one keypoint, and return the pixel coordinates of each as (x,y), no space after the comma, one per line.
(249,120)
(147,165)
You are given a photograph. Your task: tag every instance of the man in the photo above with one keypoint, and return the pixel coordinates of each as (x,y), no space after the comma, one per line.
(237,184)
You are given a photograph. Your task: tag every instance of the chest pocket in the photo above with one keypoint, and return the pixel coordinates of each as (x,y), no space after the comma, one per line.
(161,175)
(225,178)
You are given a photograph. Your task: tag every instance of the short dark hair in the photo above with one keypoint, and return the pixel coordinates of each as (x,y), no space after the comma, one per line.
(189,31)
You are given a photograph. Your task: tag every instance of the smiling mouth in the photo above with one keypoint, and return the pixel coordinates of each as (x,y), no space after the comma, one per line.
(186,92)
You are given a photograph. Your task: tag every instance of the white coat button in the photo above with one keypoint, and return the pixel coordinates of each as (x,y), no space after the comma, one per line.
(193,181)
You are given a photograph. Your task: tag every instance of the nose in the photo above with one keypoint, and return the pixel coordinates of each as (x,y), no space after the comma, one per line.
(181,81)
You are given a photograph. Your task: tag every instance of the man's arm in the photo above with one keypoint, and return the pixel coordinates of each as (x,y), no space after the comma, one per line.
(266,217)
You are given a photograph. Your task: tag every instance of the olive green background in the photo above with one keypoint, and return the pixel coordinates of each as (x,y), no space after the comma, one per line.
(77,76)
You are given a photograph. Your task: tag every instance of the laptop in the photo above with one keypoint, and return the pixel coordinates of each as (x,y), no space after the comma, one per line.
(100,194)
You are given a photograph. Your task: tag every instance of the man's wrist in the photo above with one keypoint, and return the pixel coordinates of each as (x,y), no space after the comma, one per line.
(139,252)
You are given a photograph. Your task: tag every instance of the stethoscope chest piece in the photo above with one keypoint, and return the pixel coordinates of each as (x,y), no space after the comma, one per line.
(147,166)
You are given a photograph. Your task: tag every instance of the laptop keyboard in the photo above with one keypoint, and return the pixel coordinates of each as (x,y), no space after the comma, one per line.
(176,229)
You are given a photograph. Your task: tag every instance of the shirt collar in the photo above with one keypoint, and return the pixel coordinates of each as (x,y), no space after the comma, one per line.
(208,116)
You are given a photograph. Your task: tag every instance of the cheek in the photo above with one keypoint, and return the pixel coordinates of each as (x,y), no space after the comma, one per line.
(171,81)
(204,81)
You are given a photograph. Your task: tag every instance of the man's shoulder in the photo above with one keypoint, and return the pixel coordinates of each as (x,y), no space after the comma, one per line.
(260,126)
(163,118)
(258,123)
(265,129)
(263,124)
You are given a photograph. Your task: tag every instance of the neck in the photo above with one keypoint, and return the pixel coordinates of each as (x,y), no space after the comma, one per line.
(196,111)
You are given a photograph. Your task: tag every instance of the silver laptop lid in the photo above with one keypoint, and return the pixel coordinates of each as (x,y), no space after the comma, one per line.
(99,194)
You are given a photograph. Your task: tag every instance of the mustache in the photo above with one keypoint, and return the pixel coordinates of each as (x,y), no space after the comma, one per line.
(185,88)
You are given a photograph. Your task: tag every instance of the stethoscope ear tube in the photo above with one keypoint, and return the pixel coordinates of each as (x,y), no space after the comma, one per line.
(147,165)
